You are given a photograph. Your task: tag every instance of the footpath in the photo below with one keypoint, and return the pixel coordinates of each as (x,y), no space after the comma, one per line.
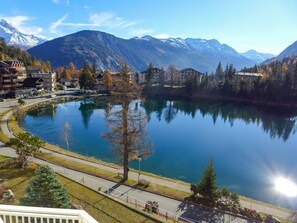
(183,211)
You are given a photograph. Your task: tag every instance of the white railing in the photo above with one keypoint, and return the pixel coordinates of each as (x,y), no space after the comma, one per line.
(22,214)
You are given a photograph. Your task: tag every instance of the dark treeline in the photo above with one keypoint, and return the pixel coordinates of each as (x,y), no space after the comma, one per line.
(278,84)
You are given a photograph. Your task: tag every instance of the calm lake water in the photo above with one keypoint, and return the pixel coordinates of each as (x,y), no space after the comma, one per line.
(254,149)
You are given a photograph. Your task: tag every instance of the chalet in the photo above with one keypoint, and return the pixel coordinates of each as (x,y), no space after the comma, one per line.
(12,75)
(34,83)
(69,83)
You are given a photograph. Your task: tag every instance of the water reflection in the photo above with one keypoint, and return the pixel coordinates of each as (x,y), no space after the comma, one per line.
(46,111)
(271,120)
(87,107)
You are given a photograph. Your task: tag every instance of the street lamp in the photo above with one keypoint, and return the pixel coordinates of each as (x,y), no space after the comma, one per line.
(139,160)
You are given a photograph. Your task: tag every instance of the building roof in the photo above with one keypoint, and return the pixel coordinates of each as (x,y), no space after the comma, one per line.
(188,68)
(249,74)
(35,68)
(5,70)
(155,69)
(32,81)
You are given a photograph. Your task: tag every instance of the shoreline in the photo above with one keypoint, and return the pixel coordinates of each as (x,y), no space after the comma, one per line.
(171,181)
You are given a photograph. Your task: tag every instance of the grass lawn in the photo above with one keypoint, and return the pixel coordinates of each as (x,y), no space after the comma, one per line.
(100,207)
(163,190)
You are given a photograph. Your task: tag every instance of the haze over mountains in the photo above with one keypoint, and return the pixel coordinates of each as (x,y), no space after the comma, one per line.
(16,38)
(106,50)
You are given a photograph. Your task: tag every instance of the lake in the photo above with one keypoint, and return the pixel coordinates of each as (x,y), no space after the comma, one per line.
(254,149)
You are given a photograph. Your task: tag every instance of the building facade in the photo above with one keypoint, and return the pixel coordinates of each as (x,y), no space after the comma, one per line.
(188,73)
(158,76)
(12,76)
(49,79)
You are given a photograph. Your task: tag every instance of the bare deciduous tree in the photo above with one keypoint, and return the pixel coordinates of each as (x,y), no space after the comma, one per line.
(127,125)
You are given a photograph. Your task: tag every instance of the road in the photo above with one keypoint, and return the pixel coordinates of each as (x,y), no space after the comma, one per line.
(171,207)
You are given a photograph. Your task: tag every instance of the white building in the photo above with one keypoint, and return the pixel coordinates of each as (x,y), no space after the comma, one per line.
(49,79)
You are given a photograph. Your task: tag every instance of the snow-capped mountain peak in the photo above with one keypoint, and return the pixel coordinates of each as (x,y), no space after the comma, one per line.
(256,56)
(16,38)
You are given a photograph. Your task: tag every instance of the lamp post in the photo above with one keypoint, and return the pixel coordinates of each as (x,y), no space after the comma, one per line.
(139,160)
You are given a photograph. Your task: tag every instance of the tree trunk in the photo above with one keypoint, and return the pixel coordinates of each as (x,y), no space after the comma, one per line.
(125,140)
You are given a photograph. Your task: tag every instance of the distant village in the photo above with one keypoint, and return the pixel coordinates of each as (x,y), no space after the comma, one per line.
(17,81)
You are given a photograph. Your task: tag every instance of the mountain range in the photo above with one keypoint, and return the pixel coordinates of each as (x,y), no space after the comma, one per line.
(16,38)
(106,51)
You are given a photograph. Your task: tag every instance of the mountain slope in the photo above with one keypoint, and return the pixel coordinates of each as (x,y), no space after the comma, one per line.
(14,37)
(257,57)
(289,51)
(106,51)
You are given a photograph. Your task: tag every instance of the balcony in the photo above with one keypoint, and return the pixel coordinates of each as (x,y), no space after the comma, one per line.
(21,214)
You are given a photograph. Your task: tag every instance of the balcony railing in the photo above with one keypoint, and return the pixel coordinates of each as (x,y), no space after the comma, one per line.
(21,214)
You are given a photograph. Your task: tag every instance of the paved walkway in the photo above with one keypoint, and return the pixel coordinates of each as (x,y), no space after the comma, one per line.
(171,206)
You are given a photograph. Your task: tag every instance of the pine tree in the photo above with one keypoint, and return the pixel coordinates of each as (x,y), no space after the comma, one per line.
(149,75)
(219,72)
(86,79)
(45,190)
(207,185)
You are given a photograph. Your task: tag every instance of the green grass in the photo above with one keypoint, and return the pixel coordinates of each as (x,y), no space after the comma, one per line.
(3,158)
(100,207)
(159,189)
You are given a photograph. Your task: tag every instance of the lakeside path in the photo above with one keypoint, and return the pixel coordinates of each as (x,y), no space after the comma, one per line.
(181,209)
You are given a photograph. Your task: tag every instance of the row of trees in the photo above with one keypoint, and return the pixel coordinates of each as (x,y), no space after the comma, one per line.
(278,84)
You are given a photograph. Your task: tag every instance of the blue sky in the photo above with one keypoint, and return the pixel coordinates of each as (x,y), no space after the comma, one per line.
(264,25)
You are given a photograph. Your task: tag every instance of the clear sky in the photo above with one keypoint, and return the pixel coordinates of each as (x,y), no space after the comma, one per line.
(264,25)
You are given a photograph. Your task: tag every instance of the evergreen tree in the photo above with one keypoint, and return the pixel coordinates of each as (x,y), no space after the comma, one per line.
(161,80)
(45,190)
(207,185)
(86,79)
(219,72)
(149,75)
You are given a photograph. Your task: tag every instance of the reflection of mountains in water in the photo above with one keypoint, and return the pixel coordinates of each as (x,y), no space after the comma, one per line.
(271,119)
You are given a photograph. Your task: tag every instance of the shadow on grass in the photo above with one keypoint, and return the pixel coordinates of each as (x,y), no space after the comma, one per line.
(198,213)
